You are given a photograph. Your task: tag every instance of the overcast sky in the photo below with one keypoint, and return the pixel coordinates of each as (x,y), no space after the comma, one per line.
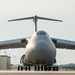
(59,9)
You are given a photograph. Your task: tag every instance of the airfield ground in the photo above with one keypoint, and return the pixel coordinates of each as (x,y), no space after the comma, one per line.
(37,72)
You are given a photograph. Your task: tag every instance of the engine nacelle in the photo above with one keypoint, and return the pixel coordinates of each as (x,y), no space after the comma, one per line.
(24,41)
(23,59)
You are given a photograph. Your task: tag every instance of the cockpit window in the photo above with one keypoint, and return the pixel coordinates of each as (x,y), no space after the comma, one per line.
(41,33)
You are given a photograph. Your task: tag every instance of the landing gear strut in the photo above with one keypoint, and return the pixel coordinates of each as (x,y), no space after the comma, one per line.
(20,68)
(27,68)
(55,68)
(42,68)
(38,68)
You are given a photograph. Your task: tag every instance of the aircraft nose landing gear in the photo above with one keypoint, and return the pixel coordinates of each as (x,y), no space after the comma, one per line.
(20,68)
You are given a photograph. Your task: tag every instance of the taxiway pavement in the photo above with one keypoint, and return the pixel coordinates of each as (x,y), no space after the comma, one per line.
(37,72)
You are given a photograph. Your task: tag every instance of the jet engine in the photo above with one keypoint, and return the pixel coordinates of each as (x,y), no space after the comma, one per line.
(23,59)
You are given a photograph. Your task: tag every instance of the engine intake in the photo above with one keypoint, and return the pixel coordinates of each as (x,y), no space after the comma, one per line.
(23,59)
(24,41)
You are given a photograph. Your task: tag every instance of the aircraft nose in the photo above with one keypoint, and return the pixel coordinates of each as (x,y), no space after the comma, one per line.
(42,50)
(41,45)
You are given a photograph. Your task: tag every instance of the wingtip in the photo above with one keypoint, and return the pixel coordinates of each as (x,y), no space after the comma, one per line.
(8,21)
(61,21)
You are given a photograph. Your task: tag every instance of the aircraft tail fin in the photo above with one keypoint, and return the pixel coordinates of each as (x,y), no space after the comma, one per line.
(35,18)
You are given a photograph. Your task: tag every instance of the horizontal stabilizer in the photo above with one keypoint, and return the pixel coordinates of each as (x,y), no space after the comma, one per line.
(49,19)
(21,19)
(35,19)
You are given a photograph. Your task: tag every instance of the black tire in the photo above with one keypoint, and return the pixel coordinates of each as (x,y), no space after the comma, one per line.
(45,68)
(29,68)
(35,68)
(41,68)
(18,68)
(49,68)
(38,68)
(21,68)
(55,69)
(26,68)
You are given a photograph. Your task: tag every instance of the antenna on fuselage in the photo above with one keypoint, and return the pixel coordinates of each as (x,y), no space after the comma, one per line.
(35,19)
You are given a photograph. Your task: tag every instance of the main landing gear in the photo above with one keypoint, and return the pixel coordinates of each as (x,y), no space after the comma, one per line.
(37,68)
(45,68)
(21,68)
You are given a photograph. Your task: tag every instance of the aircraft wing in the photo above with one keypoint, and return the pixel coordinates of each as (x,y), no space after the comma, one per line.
(64,44)
(17,43)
